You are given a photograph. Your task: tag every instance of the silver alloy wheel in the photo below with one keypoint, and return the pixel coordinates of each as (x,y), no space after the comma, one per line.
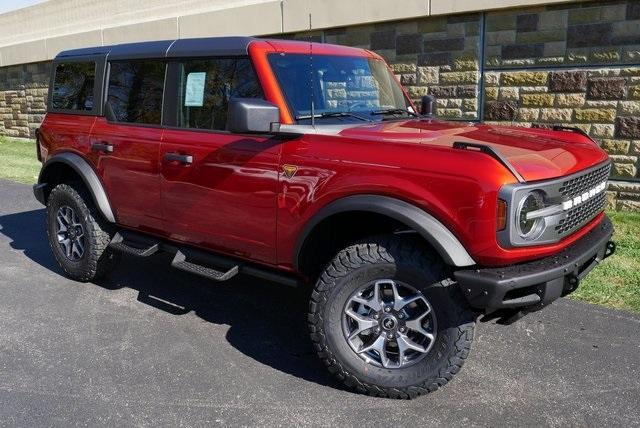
(389,324)
(70,233)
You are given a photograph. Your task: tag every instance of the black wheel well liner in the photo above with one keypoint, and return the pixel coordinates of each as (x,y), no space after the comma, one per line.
(60,164)
(402,213)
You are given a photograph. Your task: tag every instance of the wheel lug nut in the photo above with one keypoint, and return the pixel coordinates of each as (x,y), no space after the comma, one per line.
(387,309)
(402,329)
(390,335)
(376,316)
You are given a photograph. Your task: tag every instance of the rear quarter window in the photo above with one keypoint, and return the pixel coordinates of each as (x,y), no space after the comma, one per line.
(73,86)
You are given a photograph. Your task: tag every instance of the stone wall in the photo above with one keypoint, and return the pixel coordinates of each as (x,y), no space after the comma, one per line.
(595,32)
(435,55)
(604,102)
(23,98)
(623,196)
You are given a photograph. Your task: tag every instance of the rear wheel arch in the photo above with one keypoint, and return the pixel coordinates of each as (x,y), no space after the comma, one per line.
(67,166)
(395,214)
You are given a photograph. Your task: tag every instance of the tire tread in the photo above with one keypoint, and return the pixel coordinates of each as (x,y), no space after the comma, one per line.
(100,260)
(369,253)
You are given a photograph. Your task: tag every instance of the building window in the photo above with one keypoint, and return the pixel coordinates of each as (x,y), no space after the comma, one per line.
(206,86)
(73,86)
(135,91)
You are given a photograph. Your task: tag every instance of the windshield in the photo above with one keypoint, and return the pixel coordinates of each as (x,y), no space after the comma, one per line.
(344,88)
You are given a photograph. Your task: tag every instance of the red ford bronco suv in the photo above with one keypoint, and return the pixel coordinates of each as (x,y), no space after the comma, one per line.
(309,165)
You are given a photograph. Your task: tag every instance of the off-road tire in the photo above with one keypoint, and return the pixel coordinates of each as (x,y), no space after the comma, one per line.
(403,259)
(98,260)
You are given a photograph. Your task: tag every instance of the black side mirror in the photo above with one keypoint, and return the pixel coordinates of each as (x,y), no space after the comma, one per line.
(252,115)
(426,105)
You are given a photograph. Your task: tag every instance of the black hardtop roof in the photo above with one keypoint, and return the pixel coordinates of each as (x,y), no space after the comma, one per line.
(206,46)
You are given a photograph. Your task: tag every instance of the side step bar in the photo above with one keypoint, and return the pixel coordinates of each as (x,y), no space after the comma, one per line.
(180,262)
(195,261)
(134,245)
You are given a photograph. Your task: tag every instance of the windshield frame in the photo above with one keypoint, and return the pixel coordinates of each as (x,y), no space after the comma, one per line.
(358,116)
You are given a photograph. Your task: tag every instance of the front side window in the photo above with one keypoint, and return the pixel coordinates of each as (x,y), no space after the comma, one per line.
(340,86)
(207,85)
(73,86)
(135,91)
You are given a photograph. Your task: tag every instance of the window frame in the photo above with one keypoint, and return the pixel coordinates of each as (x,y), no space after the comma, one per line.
(98,87)
(172,94)
(162,100)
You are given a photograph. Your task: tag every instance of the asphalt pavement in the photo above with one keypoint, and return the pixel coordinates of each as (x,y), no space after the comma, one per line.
(152,346)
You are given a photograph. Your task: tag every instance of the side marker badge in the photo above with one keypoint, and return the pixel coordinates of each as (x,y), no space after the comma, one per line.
(289,170)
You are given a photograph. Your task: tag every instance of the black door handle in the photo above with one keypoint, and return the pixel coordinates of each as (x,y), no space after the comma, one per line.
(102,147)
(177,157)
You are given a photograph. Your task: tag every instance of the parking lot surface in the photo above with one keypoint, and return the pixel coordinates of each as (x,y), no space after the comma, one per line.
(152,346)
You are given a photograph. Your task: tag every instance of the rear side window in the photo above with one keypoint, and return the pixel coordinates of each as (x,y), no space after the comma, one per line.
(135,91)
(73,86)
(206,86)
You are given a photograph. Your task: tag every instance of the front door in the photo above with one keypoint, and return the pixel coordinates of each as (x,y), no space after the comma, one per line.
(218,189)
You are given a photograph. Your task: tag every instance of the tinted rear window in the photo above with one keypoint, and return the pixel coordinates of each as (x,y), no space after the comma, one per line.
(73,86)
(135,91)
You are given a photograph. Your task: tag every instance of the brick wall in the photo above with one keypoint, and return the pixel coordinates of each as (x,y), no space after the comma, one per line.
(23,98)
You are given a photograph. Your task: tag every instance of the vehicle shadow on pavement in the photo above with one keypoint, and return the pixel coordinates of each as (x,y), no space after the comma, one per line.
(267,321)
(27,233)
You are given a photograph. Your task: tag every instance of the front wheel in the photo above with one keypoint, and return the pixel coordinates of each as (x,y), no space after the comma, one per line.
(386,321)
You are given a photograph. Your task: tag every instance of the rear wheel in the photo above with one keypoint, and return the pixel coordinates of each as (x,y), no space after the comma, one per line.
(78,234)
(386,321)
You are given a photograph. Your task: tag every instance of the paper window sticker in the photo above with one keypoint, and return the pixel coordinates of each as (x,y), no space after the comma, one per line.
(194,94)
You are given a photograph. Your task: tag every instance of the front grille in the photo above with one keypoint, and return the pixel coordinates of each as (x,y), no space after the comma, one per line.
(579,185)
(584,212)
(581,214)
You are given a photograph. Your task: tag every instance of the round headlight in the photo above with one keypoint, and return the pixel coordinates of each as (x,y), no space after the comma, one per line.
(530,229)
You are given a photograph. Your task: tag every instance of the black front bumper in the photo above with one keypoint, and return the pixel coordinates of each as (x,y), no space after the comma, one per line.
(532,285)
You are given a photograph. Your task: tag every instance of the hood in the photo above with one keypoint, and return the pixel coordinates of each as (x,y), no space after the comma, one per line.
(537,154)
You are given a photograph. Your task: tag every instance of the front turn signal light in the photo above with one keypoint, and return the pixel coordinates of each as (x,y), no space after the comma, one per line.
(501,215)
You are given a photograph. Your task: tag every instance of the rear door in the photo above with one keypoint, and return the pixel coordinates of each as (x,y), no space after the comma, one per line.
(126,142)
(218,188)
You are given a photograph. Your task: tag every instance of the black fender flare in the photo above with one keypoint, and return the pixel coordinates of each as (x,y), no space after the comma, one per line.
(88,175)
(438,235)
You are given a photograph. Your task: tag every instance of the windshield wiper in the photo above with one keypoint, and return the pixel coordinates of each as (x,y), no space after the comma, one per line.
(390,111)
(333,114)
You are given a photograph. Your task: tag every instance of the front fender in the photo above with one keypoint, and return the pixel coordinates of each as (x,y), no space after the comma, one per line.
(438,235)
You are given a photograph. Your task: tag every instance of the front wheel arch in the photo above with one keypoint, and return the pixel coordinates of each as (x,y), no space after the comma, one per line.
(402,213)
